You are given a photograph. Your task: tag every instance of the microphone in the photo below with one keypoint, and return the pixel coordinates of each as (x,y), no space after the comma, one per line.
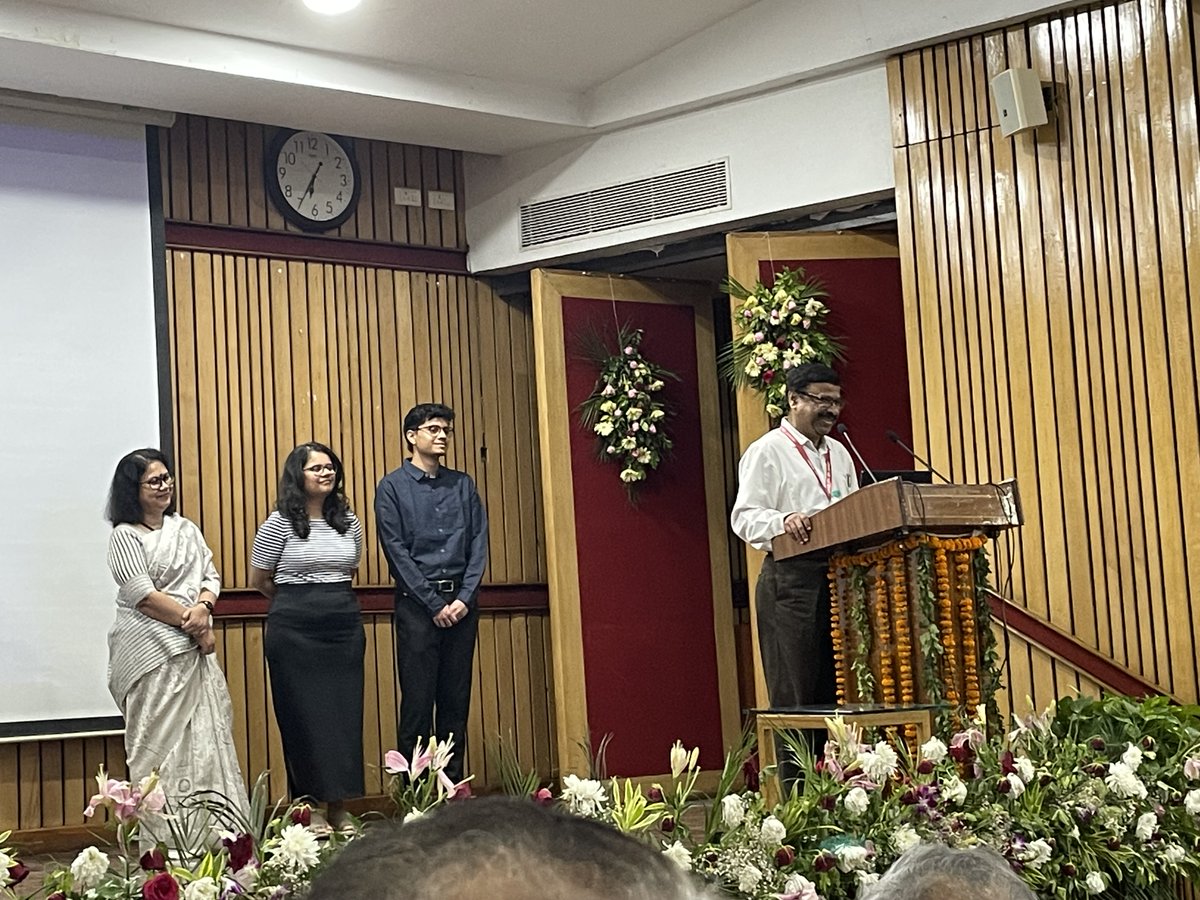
(895,439)
(845,433)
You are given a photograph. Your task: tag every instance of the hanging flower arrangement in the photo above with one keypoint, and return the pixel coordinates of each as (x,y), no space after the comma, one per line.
(626,409)
(777,328)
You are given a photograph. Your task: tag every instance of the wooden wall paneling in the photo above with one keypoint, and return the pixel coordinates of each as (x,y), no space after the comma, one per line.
(256,188)
(218,172)
(413,179)
(257,708)
(52,777)
(1069,69)
(477,761)
(173,362)
(361,224)
(221,524)
(1151,389)
(398,215)
(375,154)
(1179,513)
(232,647)
(197,141)
(522,689)
(460,205)
(540,691)
(506,689)
(241,439)
(505,442)
(536,572)
(524,438)
(549,669)
(179,188)
(488,700)
(317,356)
(1107,236)
(387,692)
(77,780)
(1184,53)
(236,172)
(433,217)
(29,793)
(1067,526)
(187,466)
(375,744)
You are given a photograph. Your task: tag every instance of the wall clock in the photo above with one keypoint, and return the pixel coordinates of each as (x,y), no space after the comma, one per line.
(312,178)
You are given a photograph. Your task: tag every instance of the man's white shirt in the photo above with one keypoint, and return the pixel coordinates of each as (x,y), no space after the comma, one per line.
(774,481)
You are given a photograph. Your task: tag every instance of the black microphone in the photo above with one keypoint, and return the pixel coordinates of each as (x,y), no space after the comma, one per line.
(845,433)
(895,439)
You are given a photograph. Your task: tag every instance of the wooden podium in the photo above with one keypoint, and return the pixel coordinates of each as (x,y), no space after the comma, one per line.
(905,574)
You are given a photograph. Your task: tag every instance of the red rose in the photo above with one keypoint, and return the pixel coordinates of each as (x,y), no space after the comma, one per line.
(153,861)
(768,376)
(302,815)
(784,856)
(161,887)
(17,873)
(241,851)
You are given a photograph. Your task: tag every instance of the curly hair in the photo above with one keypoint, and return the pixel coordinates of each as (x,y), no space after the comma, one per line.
(125,494)
(293,501)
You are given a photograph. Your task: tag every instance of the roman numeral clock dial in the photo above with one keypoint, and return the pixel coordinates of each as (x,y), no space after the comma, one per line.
(312,178)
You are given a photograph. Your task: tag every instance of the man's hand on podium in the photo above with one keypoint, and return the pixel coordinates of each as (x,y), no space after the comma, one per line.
(798,526)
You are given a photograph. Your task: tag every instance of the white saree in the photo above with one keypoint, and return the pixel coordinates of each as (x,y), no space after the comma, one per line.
(178,716)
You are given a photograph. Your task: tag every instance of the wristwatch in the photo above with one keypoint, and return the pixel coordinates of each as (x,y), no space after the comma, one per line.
(208,603)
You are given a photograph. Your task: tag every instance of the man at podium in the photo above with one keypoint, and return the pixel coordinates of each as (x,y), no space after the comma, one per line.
(784,477)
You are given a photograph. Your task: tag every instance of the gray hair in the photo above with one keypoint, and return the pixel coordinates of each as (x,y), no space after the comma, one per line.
(936,872)
(502,849)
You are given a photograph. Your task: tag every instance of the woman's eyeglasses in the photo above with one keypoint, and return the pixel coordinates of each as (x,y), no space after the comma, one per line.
(158,482)
(321,469)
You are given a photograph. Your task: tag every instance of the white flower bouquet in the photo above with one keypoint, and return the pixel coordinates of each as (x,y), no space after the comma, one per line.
(777,328)
(626,410)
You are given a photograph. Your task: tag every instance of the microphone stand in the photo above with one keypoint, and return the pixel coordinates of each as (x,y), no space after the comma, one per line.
(845,433)
(895,439)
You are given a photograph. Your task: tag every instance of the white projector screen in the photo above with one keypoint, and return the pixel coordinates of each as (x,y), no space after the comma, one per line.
(79,374)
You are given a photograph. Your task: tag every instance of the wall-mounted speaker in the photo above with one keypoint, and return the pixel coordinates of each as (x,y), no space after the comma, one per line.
(1020,103)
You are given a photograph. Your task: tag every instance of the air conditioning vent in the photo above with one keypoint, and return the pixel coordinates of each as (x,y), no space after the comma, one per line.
(637,202)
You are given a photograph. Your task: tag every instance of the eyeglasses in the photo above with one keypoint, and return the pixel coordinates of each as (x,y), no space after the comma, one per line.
(158,482)
(321,469)
(435,430)
(823,402)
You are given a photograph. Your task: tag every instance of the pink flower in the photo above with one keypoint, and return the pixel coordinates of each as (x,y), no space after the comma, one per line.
(394,762)
(631,393)
(629,351)
(758,337)
(1191,768)
(542,797)
(453,791)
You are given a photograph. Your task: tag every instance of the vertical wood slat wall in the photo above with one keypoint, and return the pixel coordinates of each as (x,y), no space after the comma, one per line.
(1053,336)
(267,354)
(213,173)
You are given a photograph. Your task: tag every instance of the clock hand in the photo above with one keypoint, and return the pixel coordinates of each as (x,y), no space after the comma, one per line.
(311,182)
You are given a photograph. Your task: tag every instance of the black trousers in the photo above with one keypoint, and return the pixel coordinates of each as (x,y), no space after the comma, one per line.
(435,668)
(794,631)
(796,643)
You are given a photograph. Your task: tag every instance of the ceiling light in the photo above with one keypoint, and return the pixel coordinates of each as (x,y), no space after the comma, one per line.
(331,7)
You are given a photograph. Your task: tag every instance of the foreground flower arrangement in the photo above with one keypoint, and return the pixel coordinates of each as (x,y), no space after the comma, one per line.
(1092,798)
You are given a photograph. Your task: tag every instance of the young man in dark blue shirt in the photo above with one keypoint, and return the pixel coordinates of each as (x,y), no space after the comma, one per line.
(434,533)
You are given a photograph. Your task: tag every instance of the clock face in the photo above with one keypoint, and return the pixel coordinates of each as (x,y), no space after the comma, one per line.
(313,179)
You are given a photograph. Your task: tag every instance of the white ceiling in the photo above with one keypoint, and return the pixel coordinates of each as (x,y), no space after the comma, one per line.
(491,76)
(563,44)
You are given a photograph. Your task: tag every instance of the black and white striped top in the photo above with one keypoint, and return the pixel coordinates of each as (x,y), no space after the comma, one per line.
(324,557)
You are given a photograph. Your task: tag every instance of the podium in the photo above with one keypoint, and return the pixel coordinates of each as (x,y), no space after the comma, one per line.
(906,574)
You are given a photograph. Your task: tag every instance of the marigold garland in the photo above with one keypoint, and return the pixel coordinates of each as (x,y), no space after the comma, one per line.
(956,646)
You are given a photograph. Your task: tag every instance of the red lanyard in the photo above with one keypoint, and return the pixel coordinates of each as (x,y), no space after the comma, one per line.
(827,486)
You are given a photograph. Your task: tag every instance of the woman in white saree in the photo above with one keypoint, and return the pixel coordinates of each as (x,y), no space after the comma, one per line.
(162,669)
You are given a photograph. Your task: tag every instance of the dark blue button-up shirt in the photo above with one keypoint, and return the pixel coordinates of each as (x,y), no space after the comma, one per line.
(432,529)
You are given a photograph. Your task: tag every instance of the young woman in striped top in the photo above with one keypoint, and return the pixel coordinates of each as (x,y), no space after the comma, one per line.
(162,670)
(304,556)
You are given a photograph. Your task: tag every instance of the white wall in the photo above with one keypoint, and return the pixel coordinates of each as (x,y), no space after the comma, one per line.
(812,144)
(79,376)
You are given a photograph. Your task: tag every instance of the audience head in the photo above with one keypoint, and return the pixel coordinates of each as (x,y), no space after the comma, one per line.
(936,872)
(503,849)
(130,492)
(418,423)
(306,476)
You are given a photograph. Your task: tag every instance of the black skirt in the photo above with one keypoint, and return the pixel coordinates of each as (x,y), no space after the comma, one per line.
(314,645)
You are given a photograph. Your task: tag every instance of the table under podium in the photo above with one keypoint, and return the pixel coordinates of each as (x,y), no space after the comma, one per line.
(909,624)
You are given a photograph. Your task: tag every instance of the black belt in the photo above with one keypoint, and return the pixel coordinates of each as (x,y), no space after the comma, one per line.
(444,585)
